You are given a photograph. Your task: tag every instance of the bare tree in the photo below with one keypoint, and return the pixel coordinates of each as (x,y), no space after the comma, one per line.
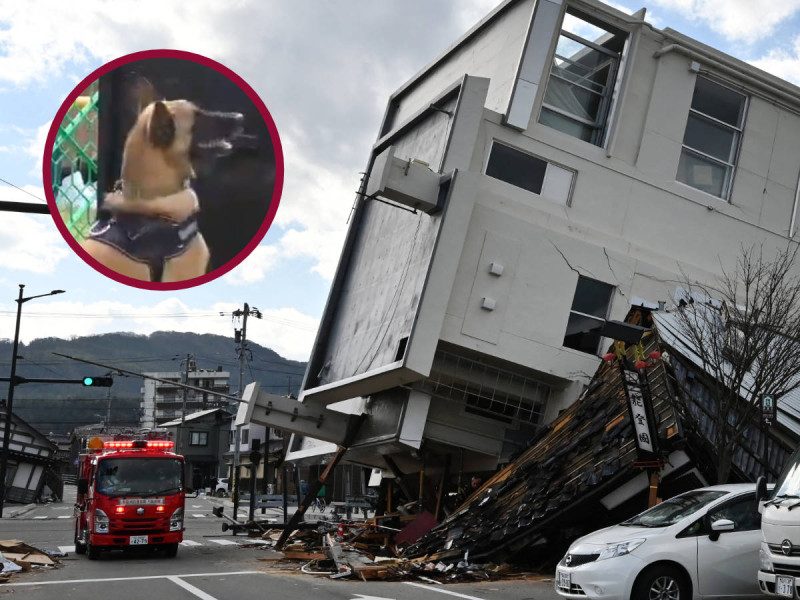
(745,334)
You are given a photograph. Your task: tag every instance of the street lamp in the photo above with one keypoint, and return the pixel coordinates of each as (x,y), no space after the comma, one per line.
(10,400)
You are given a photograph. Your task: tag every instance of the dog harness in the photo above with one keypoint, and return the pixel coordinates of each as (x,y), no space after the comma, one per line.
(149,240)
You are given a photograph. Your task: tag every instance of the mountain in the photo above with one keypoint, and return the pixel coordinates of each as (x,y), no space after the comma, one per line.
(58,408)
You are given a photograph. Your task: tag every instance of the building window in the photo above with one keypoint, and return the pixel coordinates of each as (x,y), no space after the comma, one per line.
(486,390)
(711,140)
(517,168)
(530,173)
(583,76)
(198,438)
(588,314)
(245,436)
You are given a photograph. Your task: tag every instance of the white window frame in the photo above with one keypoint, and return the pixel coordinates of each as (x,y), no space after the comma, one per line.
(607,111)
(602,319)
(199,435)
(728,184)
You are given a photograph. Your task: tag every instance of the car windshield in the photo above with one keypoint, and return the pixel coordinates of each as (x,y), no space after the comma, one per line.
(788,484)
(139,476)
(673,510)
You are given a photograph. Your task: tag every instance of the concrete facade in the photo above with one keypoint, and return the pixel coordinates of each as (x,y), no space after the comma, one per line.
(162,402)
(447,327)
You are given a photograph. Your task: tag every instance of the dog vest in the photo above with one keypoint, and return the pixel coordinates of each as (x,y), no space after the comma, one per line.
(149,240)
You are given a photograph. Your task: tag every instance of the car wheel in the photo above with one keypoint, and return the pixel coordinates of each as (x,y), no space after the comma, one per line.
(661,583)
(80,547)
(221,494)
(171,550)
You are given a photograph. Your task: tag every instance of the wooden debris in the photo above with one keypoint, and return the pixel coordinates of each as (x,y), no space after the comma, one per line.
(16,555)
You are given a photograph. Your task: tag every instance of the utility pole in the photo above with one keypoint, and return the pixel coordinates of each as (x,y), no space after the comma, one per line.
(179,445)
(241,338)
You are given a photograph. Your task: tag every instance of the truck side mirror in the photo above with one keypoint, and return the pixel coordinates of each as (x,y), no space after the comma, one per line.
(83,485)
(761,489)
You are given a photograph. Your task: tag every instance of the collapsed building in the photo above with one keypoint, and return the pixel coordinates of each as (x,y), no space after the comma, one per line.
(559,164)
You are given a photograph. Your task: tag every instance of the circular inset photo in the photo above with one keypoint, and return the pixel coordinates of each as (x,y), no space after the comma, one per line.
(163,169)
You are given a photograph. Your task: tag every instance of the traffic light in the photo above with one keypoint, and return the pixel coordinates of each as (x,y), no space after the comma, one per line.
(98,381)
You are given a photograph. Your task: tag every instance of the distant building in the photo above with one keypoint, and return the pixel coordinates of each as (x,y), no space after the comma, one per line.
(560,163)
(162,401)
(202,439)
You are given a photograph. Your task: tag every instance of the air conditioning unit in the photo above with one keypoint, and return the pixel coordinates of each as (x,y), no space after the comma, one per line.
(404,181)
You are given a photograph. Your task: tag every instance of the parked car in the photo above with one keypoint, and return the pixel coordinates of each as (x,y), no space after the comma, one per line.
(700,544)
(221,487)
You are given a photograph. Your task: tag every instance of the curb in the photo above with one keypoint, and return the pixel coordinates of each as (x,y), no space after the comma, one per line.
(16,512)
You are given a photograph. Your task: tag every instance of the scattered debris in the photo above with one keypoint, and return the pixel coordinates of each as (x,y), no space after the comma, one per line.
(373,550)
(16,555)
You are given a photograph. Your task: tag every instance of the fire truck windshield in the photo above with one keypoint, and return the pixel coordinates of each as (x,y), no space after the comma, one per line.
(132,476)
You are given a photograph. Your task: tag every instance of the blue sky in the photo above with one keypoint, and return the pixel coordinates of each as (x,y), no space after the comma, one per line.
(325,71)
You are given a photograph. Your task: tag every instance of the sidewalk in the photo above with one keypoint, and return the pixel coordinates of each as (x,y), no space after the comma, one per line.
(12,511)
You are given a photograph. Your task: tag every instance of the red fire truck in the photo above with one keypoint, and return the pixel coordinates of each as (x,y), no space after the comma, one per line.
(131,494)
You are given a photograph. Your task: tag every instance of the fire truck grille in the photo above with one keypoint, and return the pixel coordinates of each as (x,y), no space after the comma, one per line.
(139,526)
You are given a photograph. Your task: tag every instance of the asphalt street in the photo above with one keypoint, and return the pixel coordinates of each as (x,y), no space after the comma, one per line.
(211,565)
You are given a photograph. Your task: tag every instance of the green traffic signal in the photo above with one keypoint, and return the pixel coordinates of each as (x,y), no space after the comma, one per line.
(98,381)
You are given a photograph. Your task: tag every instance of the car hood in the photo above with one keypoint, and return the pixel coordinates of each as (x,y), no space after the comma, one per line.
(597,540)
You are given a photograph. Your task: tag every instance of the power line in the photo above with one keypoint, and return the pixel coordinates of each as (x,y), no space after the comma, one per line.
(22,190)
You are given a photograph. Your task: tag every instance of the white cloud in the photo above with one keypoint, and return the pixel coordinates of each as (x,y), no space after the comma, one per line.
(285,330)
(782,63)
(736,20)
(27,242)
(255,267)
(35,147)
(40,41)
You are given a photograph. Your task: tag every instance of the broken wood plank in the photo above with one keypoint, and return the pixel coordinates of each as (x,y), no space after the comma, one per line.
(301,555)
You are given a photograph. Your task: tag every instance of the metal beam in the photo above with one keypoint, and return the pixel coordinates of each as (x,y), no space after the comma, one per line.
(352,430)
(291,415)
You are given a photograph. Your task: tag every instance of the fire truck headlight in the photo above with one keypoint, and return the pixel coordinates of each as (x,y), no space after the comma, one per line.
(176,520)
(100,521)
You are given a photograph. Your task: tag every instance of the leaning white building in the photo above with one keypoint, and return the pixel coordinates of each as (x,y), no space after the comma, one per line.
(558,164)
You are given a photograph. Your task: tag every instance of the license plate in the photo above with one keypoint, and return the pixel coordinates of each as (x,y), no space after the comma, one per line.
(137,540)
(784,586)
(564,580)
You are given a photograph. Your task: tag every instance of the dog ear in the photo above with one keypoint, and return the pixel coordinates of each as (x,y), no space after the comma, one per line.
(161,130)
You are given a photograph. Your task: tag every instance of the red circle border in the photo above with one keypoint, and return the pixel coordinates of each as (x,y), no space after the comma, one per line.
(254,98)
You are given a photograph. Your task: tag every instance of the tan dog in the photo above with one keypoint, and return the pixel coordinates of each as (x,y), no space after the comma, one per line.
(152,234)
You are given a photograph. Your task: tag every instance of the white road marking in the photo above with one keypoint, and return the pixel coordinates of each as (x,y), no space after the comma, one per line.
(190,588)
(430,588)
(190,543)
(224,542)
(199,515)
(197,506)
(103,580)
(64,516)
(67,549)
(39,517)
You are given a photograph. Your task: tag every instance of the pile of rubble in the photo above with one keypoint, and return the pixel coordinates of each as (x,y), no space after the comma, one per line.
(16,556)
(374,549)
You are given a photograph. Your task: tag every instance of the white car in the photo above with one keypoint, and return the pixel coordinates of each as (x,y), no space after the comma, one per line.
(700,544)
(221,488)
